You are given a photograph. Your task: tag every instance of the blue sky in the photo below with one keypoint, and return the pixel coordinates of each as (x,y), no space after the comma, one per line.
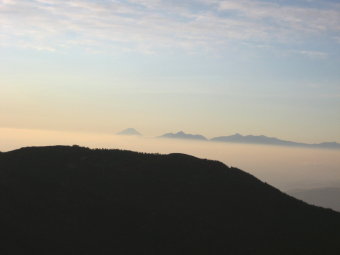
(205,66)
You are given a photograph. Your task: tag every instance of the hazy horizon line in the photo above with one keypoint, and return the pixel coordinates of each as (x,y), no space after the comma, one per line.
(209,139)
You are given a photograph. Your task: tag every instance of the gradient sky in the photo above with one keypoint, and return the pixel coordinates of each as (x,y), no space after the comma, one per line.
(213,67)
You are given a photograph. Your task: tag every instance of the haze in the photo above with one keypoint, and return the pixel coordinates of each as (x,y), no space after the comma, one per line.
(205,66)
(283,167)
(77,72)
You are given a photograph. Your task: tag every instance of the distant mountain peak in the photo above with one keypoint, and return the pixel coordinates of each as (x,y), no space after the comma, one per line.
(129,131)
(183,135)
(237,135)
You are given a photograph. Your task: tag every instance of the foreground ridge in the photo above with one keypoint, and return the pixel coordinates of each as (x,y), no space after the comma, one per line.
(75,200)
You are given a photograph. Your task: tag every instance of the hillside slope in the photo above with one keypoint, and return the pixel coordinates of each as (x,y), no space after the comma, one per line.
(73,200)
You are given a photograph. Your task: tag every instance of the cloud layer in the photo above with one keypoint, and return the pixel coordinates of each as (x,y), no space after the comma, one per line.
(148,25)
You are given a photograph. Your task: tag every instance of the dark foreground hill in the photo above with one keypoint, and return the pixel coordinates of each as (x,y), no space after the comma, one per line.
(73,200)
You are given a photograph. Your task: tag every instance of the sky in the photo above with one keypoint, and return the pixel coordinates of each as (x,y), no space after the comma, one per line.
(213,67)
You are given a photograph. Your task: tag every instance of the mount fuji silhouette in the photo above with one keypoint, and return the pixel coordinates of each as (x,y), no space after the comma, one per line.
(129,131)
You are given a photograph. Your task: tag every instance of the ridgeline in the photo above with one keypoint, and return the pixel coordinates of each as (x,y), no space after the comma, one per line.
(75,200)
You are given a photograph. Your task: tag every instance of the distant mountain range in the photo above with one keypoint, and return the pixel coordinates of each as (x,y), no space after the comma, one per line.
(129,131)
(326,197)
(72,200)
(261,139)
(182,135)
(237,138)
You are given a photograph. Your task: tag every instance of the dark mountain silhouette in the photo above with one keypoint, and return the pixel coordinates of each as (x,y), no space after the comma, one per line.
(328,145)
(326,197)
(182,135)
(129,131)
(74,200)
(261,139)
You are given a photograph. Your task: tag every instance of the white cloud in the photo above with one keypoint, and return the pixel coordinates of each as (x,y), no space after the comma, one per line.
(147,25)
(313,54)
